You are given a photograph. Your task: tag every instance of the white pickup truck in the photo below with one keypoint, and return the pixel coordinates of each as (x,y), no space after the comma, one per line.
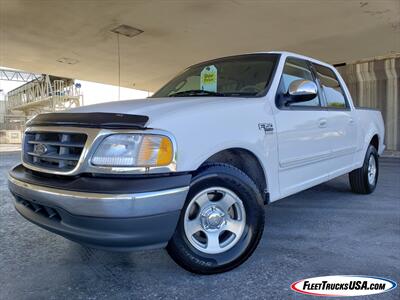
(191,167)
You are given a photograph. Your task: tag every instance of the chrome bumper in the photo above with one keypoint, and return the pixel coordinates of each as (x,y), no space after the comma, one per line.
(102,205)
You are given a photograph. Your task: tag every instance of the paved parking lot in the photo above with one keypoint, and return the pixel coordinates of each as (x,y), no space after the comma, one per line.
(325,230)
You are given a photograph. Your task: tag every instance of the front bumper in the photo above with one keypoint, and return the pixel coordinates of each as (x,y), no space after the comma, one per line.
(102,212)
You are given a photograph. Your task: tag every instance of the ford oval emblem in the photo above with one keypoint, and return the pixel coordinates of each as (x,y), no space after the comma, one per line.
(40,149)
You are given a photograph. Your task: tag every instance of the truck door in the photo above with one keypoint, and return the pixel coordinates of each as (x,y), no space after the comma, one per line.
(303,134)
(340,119)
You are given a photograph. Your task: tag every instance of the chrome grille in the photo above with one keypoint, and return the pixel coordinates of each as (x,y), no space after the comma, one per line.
(53,150)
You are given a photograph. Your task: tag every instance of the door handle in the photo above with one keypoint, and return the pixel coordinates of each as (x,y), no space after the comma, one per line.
(351,121)
(322,123)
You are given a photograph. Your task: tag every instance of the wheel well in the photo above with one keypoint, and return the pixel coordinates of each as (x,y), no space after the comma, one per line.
(245,161)
(375,142)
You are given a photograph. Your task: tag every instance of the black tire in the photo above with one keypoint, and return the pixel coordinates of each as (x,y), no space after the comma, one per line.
(231,178)
(358,178)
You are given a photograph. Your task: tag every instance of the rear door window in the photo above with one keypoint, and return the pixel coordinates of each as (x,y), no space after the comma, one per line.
(333,92)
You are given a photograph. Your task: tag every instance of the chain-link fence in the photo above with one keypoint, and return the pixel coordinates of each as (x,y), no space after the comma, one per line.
(11,130)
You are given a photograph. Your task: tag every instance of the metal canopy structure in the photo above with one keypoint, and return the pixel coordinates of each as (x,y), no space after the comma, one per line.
(44,94)
(16,75)
(78,39)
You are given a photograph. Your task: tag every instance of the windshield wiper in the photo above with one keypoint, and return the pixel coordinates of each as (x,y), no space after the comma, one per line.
(196,93)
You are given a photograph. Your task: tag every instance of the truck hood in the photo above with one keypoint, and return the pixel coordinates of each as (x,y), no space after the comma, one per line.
(161,108)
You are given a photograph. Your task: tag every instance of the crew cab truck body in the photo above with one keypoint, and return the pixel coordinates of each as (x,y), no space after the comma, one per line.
(191,167)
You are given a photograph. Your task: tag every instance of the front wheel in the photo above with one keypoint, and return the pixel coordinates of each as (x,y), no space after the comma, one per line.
(364,179)
(221,222)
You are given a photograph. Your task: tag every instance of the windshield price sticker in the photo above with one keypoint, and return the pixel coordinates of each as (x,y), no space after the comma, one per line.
(208,79)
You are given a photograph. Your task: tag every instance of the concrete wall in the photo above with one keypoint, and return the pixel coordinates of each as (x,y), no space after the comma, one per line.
(375,83)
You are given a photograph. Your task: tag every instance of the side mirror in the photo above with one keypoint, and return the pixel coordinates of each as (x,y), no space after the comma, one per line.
(302,90)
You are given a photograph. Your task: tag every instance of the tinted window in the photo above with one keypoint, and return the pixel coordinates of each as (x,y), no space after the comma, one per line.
(330,87)
(244,75)
(295,69)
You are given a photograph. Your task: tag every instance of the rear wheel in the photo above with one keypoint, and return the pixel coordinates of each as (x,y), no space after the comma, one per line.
(364,179)
(221,223)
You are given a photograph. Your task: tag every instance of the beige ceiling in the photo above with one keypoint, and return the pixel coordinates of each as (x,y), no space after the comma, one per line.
(35,34)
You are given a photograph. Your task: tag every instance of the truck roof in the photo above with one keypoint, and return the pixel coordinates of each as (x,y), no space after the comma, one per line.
(292,54)
(284,54)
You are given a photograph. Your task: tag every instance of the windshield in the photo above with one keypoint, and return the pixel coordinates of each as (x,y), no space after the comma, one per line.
(235,76)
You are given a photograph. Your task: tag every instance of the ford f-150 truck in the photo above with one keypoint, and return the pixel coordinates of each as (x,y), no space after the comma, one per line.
(192,167)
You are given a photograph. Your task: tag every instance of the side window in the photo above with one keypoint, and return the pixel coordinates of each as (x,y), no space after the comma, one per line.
(331,88)
(295,69)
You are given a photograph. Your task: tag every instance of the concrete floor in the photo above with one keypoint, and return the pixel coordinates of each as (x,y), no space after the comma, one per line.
(325,230)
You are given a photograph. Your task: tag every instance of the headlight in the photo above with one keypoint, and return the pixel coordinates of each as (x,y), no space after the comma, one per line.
(134,150)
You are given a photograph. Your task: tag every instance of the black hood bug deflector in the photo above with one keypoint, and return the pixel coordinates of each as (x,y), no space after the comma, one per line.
(91,120)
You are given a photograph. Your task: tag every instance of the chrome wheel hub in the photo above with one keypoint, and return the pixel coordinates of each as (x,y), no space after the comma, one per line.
(371,170)
(214,220)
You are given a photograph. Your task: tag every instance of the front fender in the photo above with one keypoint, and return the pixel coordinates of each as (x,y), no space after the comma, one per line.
(203,132)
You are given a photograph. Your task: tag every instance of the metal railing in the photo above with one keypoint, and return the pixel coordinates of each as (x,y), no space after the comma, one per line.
(46,93)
